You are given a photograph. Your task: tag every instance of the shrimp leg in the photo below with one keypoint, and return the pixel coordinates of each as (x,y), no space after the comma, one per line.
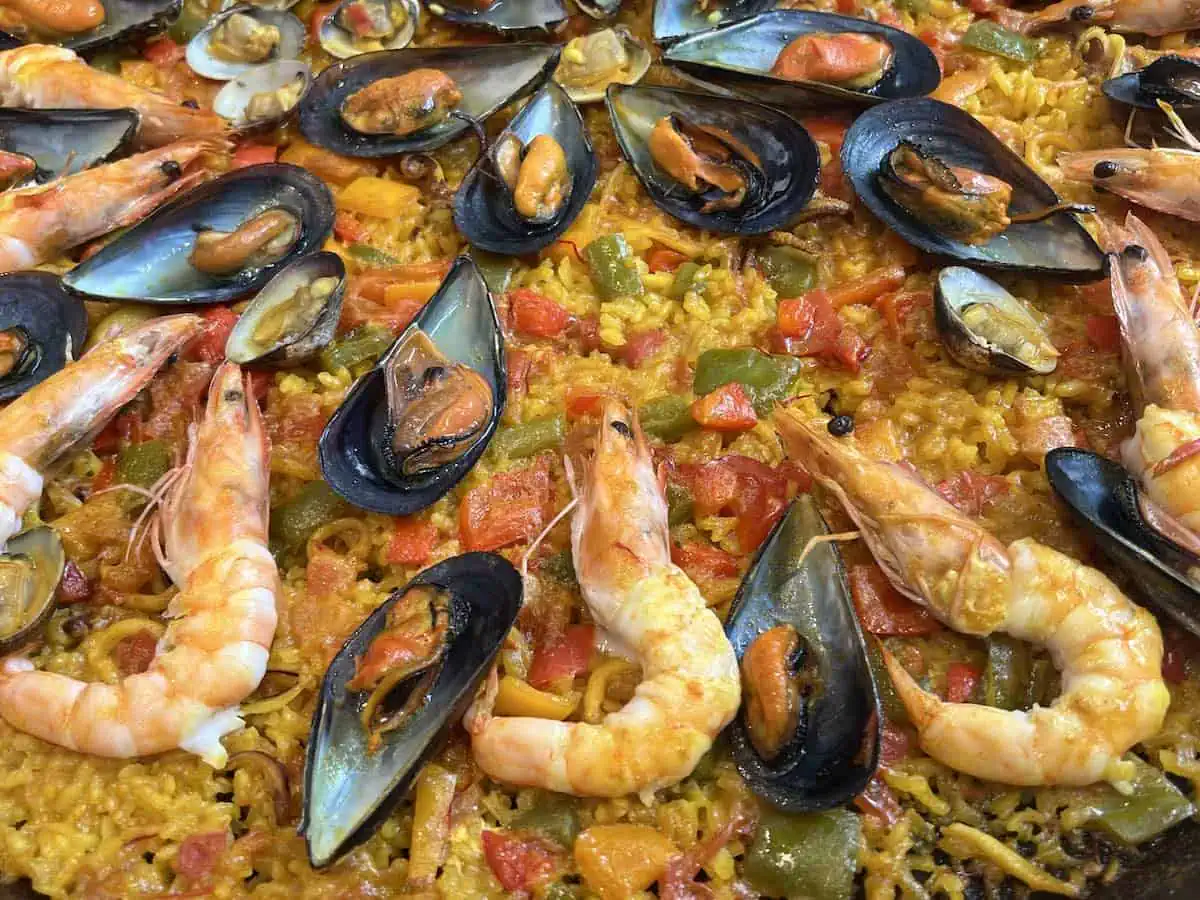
(1108,649)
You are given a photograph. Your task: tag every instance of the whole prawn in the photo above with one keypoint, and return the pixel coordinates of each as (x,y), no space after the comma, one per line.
(1108,649)
(690,689)
(1152,17)
(40,223)
(40,76)
(213,526)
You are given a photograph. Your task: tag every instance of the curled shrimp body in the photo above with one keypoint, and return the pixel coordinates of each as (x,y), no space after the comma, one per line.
(1108,649)
(1152,17)
(40,223)
(690,688)
(221,623)
(39,76)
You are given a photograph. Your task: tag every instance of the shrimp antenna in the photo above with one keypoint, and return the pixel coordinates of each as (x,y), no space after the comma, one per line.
(533,545)
(818,539)
(1178,129)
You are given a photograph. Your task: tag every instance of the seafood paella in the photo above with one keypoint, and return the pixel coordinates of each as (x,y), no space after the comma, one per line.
(597,448)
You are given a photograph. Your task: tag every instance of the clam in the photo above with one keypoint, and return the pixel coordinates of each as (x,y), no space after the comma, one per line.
(593,61)
(675,19)
(808,735)
(411,101)
(1105,500)
(987,329)
(243,36)
(293,316)
(931,172)
(30,568)
(262,97)
(1172,79)
(793,58)
(42,328)
(413,426)
(501,15)
(122,21)
(367,26)
(220,241)
(599,9)
(369,741)
(65,141)
(734,168)
(533,181)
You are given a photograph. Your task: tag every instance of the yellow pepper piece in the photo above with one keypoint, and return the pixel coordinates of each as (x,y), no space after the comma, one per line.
(617,861)
(518,698)
(431,825)
(596,691)
(378,197)
(963,841)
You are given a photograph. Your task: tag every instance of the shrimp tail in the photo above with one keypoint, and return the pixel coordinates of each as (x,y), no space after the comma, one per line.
(922,707)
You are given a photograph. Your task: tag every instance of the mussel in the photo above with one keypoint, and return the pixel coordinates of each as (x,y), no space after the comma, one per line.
(593,61)
(30,568)
(293,316)
(734,168)
(65,141)
(1172,79)
(411,101)
(1106,501)
(533,181)
(503,16)
(413,426)
(109,22)
(986,329)
(243,36)
(675,19)
(222,240)
(456,616)
(808,735)
(42,328)
(366,26)
(263,97)
(894,148)
(793,58)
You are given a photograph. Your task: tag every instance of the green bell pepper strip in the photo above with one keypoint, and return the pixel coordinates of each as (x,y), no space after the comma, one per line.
(813,855)
(988,37)
(559,566)
(552,815)
(143,464)
(1006,677)
(614,272)
(680,504)
(294,522)
(369,256)
(363,344)
(889,700)
(1154,806)
(668,417)
(788,271)
(767,379)
(496,270)
(684,281)
(528,438)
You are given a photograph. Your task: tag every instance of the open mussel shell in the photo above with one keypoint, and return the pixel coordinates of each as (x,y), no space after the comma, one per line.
(586,81)
(30,568)
(786,170)
(151,262)
(349,788)
(205,61)
(460,320)
(293,316)
(42,328)
(124,21)
(1057,245)
(483,208)
(341,44)
(987,329)
(834,749)
(490,77)
(1173,79)
(65,141)
(1104,499)
(675,19)
(739,58)
(502,15)
(284,82)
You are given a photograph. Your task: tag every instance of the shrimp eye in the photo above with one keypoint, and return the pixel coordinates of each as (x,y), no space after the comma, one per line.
(233,396)
(1136,251)
(840,426)
(1106,168)
(190,104)
(171,169)
(1082,13)
(621,428)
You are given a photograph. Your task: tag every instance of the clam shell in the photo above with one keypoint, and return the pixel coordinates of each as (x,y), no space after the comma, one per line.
(43,548)
(640,59)
(231,101)
(65,141)
(292,35)
(504,15)
(52,317)
(336,42)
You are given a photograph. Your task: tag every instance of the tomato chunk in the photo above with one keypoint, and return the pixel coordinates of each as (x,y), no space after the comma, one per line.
(565,658)
(412,541)
(961,679)
(702,562)
(811,326)
(735,485)
(164,52)
(519,863)
(728,408)
(1104,332)
(199,854)
(640,346)
(882,609)
(664,259)
(134,654)
(251,154)
(348,229)
(535,315)
(209,345)
(510,508)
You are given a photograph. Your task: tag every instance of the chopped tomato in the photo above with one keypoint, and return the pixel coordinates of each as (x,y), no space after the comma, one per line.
(74,586)
(412,542)
(133,654)
(728,408)
(810,326)
(560,250)
(751,491)
(519,364)
(847,7)
(1104,332)
(347,228)
(519,863)
(880,801)
(894,744)
(896,307)
(164,52)
(209,345)
(254,154)
(391,297)
(703,562)
(583,402)
(565,658)
(198,855)
(961,679)
(122,430)
(535,315)
(511,507)
(664,259)
(882,609)
(587,329)
(867,288)
(329,574)
(640,346)
(970,492)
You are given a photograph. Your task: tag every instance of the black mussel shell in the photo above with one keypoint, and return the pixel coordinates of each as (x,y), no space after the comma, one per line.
(65,141)
(348,789)
(1103,498)
(460,319)
(675,19)
(503,16)
(790,163)
(739,58)
(483,207)
(149,263)
(52,321)
(490,77)
(28,601)
(835,749)
(1173,79)
(125,21)
(1057,245)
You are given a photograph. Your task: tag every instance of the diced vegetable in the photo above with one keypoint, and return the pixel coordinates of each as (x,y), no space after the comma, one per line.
(988,37)
(617,861)
(565,658)
(431,825)
(614,271)
(812,856)
(535,315)
(668,417)
(348,229)
(518,863)
(1104,332)
(640,346)
(811,326)
(325,164)
(251,154)
(553,815)
(293,523)
(882,609)
(143,464)
(787,270)
(746,488)
(164,51)
(728,408)
(209,344)
(684,281)
(511,507)
(378,197)
(364,344)
(517,698)
(528,438)
(867,289)
(559,566)
(961,680)
(767,379)
(701,561)
(497,270)
(889,700)
(412,542)
(370,256)
(679,504)
(1154,806)
(664,259)
(1007,672)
